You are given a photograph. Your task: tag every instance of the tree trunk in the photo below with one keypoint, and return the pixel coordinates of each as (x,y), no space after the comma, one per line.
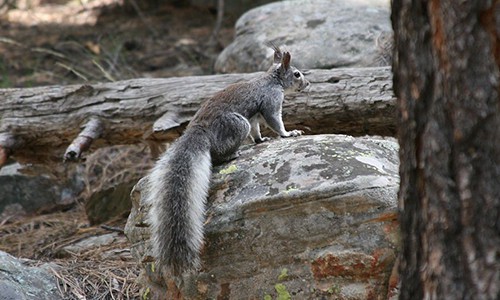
(40,123)
(446,79)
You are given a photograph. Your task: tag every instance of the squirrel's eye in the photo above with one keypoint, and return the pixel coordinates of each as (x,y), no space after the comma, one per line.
(296,74)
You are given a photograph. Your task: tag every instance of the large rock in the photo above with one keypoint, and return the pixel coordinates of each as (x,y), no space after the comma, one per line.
(321,34)
(311,217)
(21,282)
(22,193)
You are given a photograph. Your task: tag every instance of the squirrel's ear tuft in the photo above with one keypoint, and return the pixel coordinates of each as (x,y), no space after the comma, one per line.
(278,55)
(285,61)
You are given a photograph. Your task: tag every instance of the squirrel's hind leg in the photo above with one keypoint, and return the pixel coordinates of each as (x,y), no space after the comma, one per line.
(229,133)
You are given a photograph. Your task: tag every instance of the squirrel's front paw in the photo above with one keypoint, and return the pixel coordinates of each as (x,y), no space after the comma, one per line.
(262,139)
(294,132)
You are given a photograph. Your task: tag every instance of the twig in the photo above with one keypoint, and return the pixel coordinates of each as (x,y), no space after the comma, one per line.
(48,51)
(72,70)
(111,228)
(93,130)
(106,74)
(218,23)
(143,18)
(9,41)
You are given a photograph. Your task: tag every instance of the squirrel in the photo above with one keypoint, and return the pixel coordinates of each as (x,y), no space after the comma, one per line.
(177,186)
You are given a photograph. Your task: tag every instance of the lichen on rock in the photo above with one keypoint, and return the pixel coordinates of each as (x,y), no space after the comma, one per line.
(315,206)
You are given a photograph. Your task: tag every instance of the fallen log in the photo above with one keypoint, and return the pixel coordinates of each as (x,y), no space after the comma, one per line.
(38,124)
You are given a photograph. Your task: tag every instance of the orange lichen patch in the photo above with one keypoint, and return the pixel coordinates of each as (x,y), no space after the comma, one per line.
(344,265)
(385,217)
(355,265)
(383,259)
(328,265)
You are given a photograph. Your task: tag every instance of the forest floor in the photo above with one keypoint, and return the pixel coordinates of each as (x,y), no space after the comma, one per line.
(58,42)
(63,42)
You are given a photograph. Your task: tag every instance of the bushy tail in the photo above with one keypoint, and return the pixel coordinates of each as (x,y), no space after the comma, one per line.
(177,190)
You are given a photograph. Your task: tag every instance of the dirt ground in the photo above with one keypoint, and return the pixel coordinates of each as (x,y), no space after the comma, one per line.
(62,42)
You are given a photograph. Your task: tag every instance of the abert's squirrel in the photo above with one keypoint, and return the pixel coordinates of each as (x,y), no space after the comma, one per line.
(177,186)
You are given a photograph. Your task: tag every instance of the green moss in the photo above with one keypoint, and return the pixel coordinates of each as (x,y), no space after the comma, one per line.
(290,188)
(283,294)
(268,297)
(334,289)
(283,275)
(230,169)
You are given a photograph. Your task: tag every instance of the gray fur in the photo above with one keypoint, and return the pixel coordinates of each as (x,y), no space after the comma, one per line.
(178,184)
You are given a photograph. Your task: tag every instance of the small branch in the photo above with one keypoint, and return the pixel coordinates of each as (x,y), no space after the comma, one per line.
(218,23)
(92,131)
(143,18)
(111,228)
(168,121)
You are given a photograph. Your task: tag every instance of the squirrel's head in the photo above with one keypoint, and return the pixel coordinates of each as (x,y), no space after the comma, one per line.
(291,78)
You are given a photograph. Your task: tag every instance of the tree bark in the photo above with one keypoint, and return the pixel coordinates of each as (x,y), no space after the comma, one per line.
(446,79)
(39,123)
